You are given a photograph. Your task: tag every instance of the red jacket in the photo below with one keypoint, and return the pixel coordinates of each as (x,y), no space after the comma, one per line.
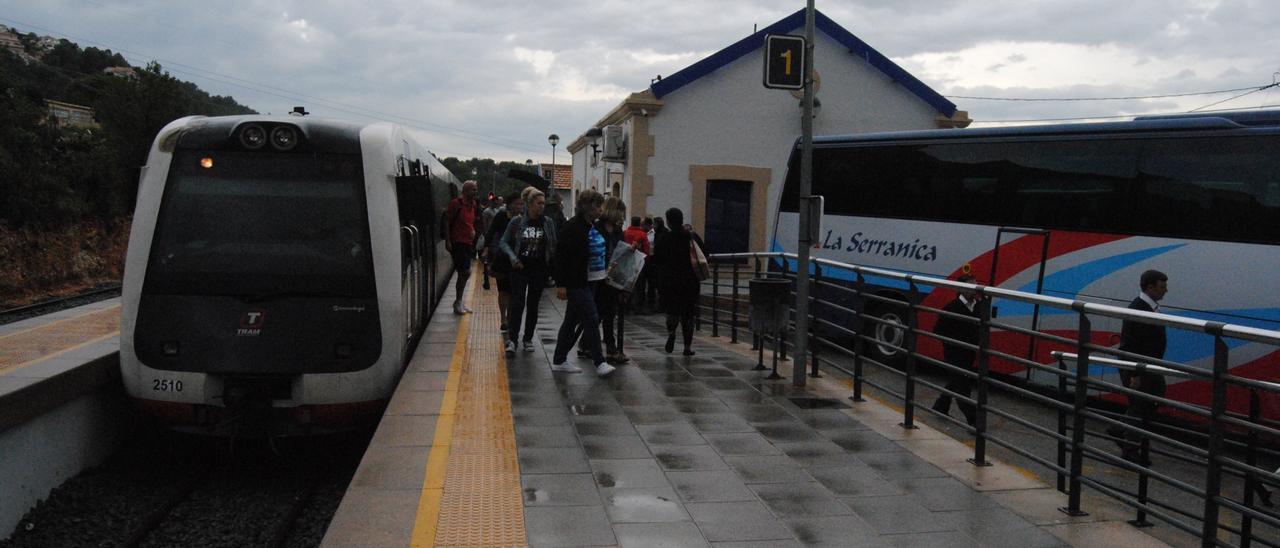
(637,237)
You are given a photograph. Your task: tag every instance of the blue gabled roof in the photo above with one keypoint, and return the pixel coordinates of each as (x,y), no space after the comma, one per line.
(791,22)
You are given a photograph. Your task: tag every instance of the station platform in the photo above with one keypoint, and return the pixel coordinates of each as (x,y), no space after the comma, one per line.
(477,449)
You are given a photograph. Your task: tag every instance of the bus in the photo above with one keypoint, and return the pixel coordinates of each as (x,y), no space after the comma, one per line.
(1076,211)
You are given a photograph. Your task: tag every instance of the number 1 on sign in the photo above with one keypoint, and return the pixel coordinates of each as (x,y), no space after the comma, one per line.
(787,55)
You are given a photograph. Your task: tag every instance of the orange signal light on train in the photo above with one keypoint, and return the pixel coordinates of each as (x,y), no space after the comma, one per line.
(206,162)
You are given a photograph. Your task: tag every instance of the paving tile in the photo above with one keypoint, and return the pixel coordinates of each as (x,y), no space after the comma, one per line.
(1027,537)
(653,414)
(753,397)
(711,372)
(415,402)
(640,398)
(791,543)
(791,500)
(818,453)
(615,447)
(552,460)
(840,531)
(435,380)
(829,420)
(546,436)
(710,486)
(536,399)
(899,465)
(942,539)
(559,490)
(698,405)
(624,473)
(719,423)
(643,505)
(658,535)
(854,481)
(540,416)
(737,521)
(1115,533)
(668,376)
(940,494)
(786,431)
(568,526)
(374,517)
(404,430)
(594,408)
(387,467)
(604,425)
(684,390)
(687,457)
(718,384)
(779,469)
(897,514)
(984,519)
(862,441)
(744,443)
(670,434)
(761,412)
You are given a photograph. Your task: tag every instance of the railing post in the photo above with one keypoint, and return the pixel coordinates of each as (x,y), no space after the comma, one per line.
(786,326)
(1063,397)
(814,293)
(909,395)
(984,369)
(860,289)
(1218,407)
(1085,334)
(1250,480)
(757,339)
(733,314)
(715,299)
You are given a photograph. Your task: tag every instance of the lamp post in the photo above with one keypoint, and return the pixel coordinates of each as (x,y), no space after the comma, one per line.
(554,140)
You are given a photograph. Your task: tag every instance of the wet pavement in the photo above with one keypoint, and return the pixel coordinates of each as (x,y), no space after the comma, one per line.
(693,451)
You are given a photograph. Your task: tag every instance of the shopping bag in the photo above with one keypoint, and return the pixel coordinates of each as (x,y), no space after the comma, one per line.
(701,268)
(624,267)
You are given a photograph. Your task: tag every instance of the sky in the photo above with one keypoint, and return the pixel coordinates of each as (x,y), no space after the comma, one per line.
(493,78)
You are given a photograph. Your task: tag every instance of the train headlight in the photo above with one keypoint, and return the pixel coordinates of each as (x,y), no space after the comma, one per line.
(253,136)
(284,138)
(206,162)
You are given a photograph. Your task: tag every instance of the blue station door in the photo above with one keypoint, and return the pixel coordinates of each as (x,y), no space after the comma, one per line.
(728,216)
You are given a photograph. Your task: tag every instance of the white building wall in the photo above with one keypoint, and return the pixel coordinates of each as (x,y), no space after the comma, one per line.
(728,118)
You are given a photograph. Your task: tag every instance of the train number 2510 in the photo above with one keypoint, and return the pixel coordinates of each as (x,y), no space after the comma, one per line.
(166,385)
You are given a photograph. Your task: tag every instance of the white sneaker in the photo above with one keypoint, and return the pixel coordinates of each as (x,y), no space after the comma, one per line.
(604,369)
(464,308)
(511,348)
(528,346)
(565,368)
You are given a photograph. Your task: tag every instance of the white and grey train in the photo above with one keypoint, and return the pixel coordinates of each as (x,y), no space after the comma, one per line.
(280,272)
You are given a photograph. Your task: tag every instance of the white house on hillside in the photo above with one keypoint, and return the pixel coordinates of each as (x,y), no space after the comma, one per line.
(712,141)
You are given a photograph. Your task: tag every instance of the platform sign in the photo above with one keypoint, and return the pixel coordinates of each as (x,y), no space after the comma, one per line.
(784,61)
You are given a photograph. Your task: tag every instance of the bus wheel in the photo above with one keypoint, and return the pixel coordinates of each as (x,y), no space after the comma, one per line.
(889,335)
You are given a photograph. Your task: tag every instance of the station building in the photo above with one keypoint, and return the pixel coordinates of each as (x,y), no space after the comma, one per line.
(712,141)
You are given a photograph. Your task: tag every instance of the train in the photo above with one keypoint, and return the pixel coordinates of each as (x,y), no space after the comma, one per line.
(279,273)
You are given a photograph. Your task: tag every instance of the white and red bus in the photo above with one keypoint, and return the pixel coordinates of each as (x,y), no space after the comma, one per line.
(1074,211)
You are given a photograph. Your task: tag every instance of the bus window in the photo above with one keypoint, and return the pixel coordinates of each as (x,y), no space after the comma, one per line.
(1210,188)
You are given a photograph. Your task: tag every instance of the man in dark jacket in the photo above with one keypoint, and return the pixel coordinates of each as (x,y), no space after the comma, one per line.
(1147,340)
(965,304)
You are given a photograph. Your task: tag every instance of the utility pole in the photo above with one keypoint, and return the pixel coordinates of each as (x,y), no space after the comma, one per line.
(801,346)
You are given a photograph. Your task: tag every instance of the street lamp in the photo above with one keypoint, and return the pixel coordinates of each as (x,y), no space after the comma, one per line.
(554,140)
(528,164)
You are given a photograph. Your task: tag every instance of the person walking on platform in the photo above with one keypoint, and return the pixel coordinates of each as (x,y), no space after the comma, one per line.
(460,220)
(487,216)
(963,330)
(498,262)
(529,246)
(580,264)
(678,285)
(1146,340)
(636,236)
(608,298)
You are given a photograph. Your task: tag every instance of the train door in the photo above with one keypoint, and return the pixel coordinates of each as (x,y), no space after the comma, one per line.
(414,206)
(1031,250)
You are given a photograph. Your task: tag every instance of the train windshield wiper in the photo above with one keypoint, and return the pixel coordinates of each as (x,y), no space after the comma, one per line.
(264,297)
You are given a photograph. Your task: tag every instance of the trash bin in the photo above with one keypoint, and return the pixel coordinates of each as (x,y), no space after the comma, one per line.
(770,304)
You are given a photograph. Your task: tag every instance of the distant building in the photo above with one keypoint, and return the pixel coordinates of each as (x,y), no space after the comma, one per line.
(562,186)
(121,72)
(69,115)
(712,141)
(9,40)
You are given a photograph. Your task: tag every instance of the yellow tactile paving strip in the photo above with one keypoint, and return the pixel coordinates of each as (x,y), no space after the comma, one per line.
(474,498)
(45,341)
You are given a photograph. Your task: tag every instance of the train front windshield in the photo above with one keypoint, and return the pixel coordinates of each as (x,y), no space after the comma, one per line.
(257,225)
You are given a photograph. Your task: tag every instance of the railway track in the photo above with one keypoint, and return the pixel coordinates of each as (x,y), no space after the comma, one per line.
(59,303)
(192,491)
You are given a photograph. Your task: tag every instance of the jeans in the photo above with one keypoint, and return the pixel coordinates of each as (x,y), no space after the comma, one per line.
(526,292)
(581,311)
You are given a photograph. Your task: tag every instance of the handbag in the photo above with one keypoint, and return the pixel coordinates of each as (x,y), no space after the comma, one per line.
(701,268)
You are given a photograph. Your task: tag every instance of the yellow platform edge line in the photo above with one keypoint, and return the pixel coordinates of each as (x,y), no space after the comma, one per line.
(56,322)
(4,370)
(428,516)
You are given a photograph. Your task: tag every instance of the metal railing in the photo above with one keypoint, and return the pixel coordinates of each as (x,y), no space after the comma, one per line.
(1226,444)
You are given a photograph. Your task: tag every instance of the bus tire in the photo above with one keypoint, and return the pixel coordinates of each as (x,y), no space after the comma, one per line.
(889,332)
